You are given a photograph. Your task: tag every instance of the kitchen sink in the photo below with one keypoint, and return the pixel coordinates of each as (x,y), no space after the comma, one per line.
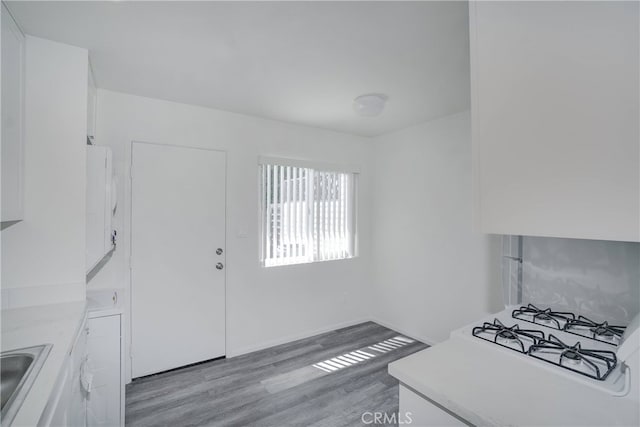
(18,370)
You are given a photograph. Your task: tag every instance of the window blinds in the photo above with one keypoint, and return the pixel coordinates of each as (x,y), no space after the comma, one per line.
(307,215)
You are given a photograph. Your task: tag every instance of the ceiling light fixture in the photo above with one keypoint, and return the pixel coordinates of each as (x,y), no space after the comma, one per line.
(370,105)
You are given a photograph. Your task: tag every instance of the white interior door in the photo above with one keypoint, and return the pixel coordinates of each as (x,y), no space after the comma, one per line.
(177,228)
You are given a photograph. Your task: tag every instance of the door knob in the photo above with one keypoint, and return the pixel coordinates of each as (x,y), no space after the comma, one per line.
(219,266)
(219,251)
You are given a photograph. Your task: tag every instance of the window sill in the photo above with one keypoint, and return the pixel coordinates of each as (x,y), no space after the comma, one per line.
(262,264)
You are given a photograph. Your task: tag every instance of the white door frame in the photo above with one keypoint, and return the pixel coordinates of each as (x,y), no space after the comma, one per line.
(125,242)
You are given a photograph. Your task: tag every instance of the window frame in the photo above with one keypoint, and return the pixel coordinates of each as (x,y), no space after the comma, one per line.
(315,167)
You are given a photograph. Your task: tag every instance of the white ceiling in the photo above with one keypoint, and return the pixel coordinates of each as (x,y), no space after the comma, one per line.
(300,62)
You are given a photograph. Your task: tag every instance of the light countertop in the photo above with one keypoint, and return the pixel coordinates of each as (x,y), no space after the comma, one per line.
(56,324)
(492,388)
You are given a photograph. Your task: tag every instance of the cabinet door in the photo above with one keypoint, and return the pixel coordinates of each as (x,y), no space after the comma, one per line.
(96,236)
(77,416)
(556,118)
(67,405)
(57,416)
(12,118)
(107,206)
(92,98)
(104,404)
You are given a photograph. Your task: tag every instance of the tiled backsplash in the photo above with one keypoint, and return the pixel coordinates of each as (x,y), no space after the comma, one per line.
(597,279)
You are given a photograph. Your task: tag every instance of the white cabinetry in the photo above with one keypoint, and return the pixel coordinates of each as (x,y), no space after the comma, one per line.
(92,99)
(12,118)
(556,118)
(59,401)
(80,388)
(100,198)
(418,411)
(105,405)
(67,405)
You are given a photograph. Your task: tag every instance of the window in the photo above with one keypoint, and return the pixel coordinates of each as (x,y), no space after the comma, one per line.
(307,214)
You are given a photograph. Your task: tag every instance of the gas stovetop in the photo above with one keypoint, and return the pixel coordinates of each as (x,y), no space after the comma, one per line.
(569,345)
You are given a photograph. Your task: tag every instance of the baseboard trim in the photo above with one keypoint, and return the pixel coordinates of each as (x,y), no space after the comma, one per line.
(295,337)
(410,334)
(318,331)
(272,343)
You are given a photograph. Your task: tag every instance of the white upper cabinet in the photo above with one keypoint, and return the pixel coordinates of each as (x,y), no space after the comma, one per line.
(12,118)
(555,118)
(100,204)
(92,99)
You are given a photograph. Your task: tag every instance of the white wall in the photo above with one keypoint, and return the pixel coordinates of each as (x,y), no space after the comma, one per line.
(431,272)
(264,306)
(43,255)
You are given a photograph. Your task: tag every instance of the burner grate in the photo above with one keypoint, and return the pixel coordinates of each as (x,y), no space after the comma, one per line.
(546,317)
(596,364)
(511,337)
(603,332)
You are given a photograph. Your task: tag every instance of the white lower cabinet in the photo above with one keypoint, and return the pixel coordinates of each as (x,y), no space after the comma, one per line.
(67,405)
(59,402)
(421,412)
(106,400)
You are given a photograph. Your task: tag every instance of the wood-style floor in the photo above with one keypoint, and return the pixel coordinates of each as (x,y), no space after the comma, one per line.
(294,384)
